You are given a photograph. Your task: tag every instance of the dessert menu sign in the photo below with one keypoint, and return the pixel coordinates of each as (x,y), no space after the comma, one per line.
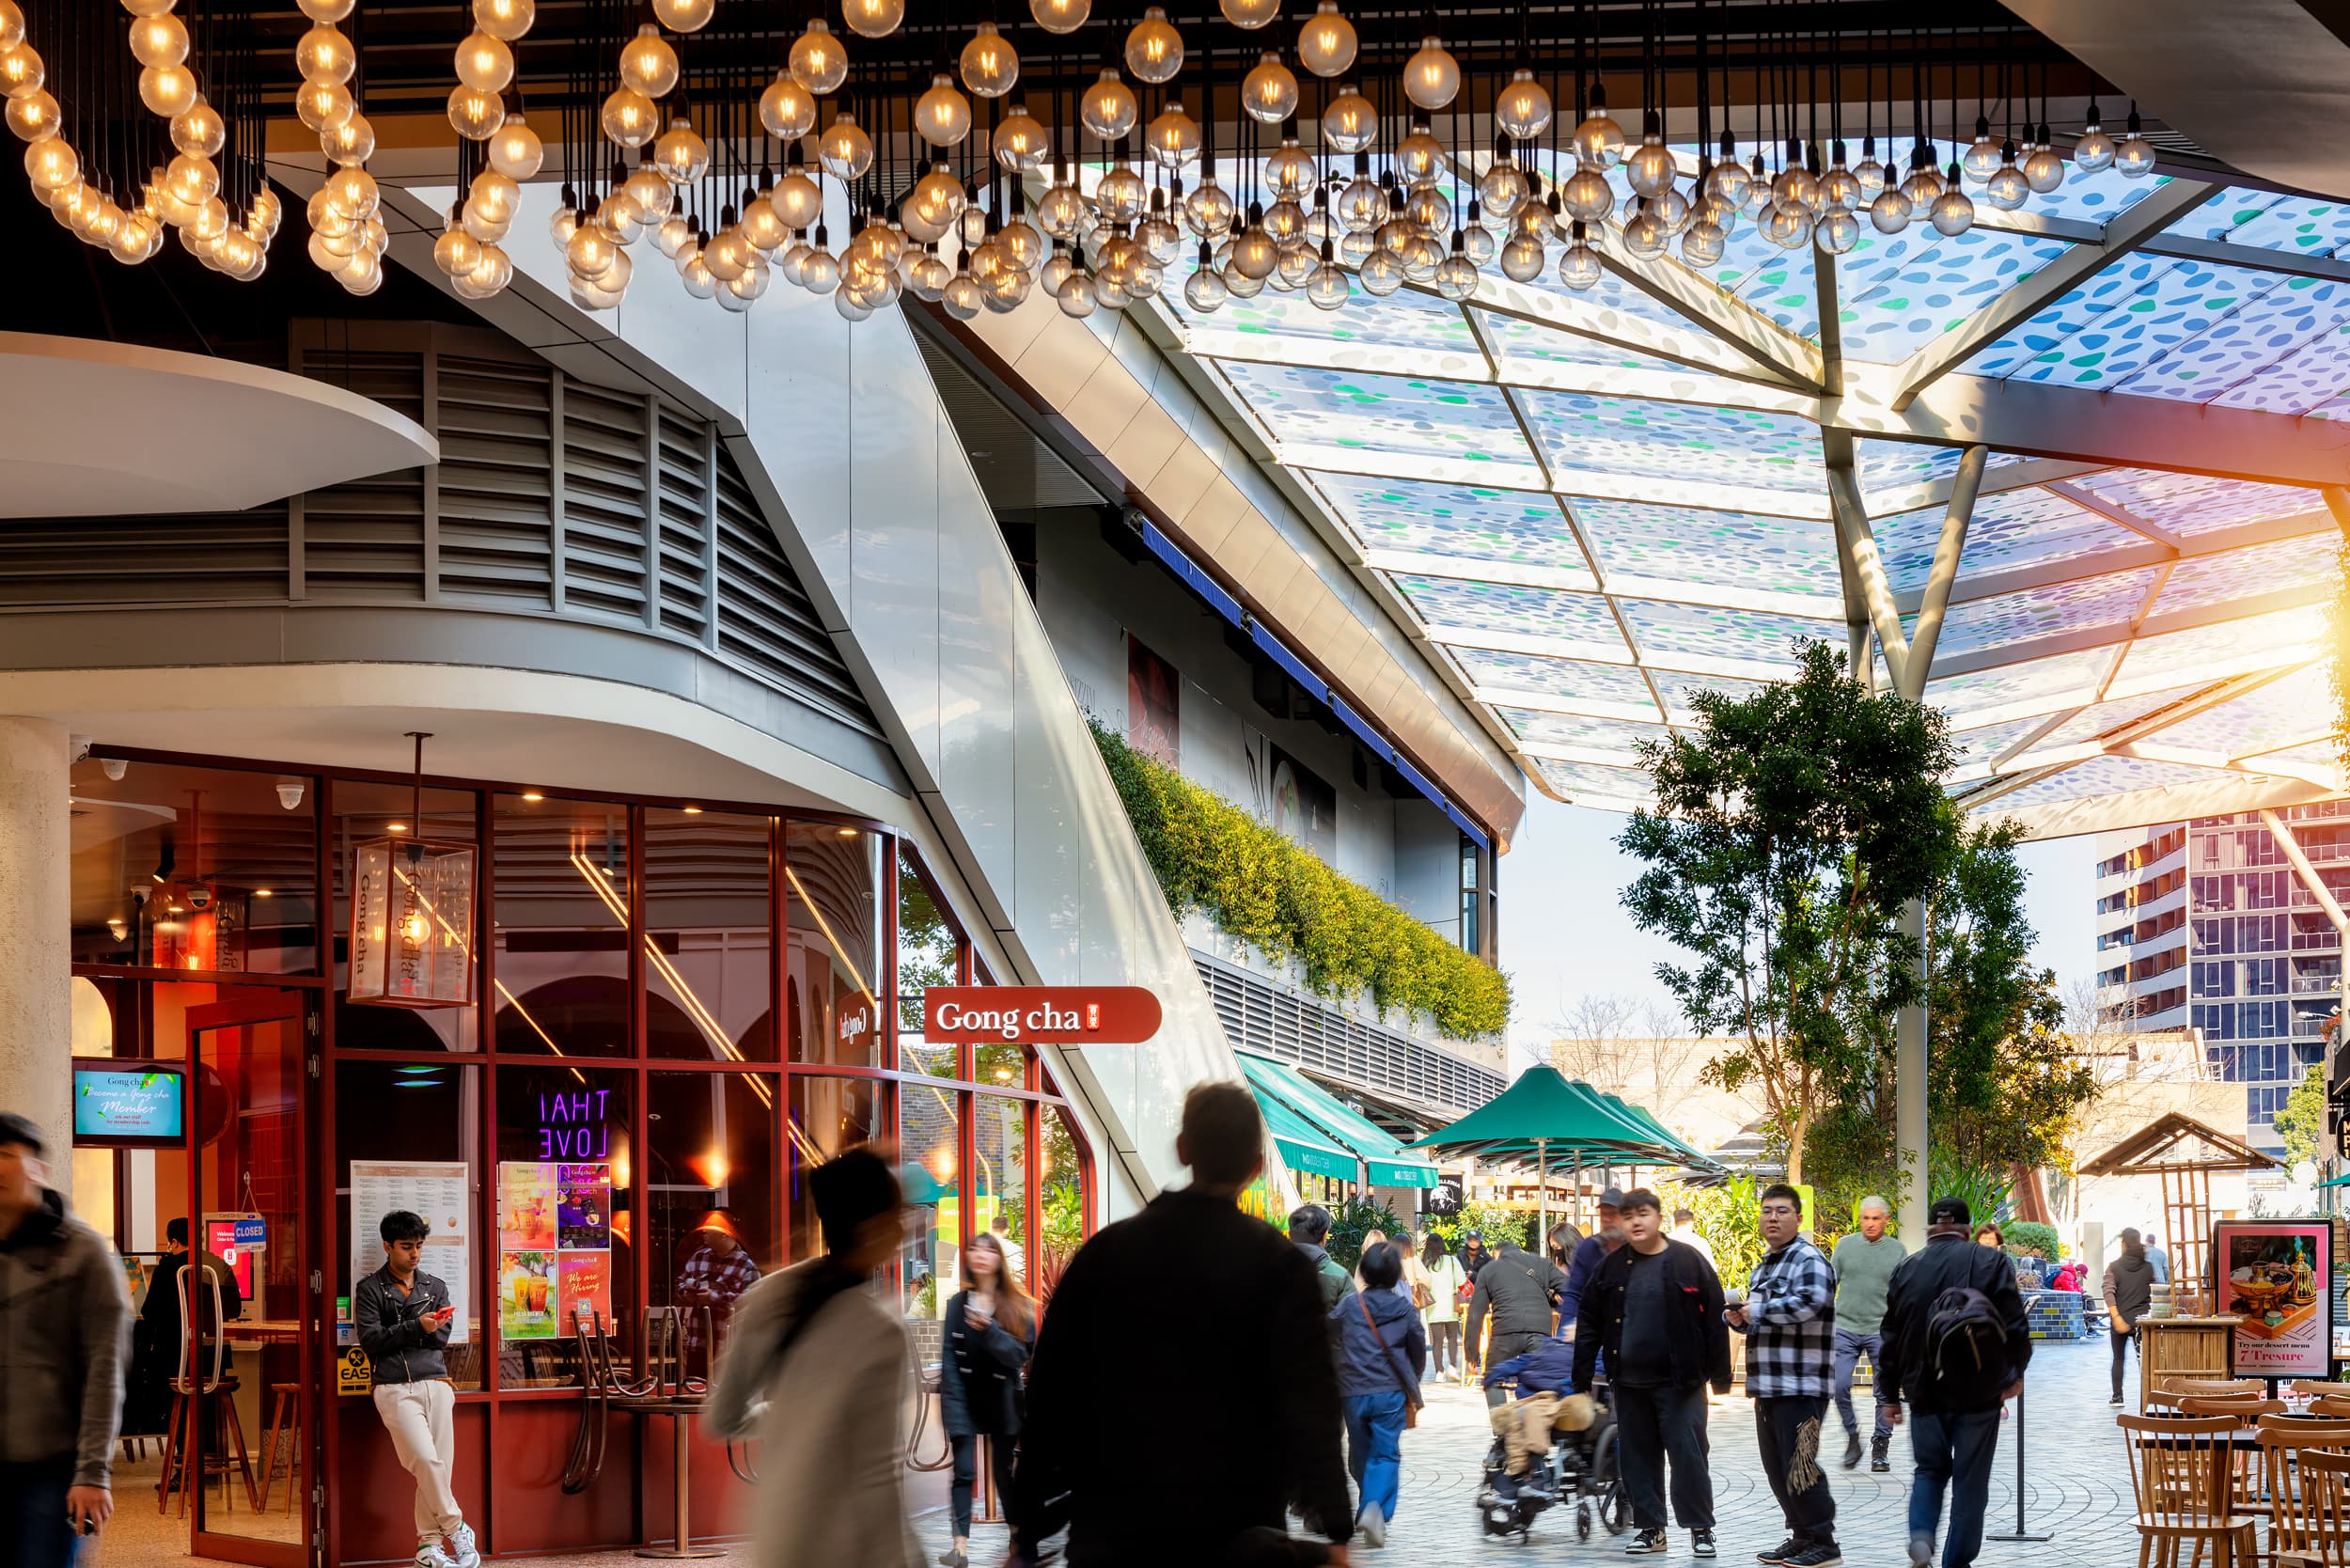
(2276,1279)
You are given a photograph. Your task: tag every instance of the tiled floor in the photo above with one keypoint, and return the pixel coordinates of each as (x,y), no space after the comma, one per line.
(2075,1489)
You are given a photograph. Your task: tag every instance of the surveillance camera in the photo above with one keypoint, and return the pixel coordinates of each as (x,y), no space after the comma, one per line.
(289,792)
(200,896)
(115,767)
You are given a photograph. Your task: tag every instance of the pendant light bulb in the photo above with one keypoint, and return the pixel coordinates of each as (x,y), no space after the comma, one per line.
(628,118)
(1523,110)
(1250,14)
(352,142)
(989,64)
(680,154)
(486,65)
(684,16)
(1890,212)
(168,90)
(35,115)
(1060,16)
(818,63)
(197,129)
(2044,171)
(845,150)
(2095,150)
(943,115)
(159,40)
(1432,77)
(1326,43)
(516,151)
(503,20)
(2133,155)
(1983,155)
(1110,108)
(1021,142)
(873,19)
(325,54)
(649,65)
(1269,91)
(22,70)
(476,114)
(787,109)
(1154,49)
(798,200)
(1173,137)
(319,105)
(1953,211)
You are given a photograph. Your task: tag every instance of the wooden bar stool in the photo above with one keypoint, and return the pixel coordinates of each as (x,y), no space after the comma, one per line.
(285,1423)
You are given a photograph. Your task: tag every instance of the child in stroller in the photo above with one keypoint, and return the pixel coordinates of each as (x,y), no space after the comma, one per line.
(1549,1446)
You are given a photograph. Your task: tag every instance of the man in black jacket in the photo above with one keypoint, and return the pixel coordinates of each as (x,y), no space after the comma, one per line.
(1953,1435)
(1656,1307)
(1231,1389)
(1519,1290)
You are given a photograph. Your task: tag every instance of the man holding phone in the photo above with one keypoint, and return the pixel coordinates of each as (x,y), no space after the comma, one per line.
(404,1316)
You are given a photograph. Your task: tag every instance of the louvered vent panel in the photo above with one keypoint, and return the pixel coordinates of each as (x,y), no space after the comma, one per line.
(604,503)
(496,499)
(144,560)
(365,540)
(684,469)
(1278,1022)
(765,619)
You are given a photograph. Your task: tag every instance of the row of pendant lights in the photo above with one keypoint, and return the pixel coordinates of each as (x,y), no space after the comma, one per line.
(185,196)
(1105,247)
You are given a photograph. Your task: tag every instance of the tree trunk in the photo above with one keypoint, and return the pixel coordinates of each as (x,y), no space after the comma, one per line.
(1795,1148)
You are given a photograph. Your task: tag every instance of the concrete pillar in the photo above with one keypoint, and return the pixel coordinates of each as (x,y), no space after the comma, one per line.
(1909,1093)
(36,948)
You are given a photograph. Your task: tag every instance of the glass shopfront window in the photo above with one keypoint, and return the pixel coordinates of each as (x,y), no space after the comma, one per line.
(207,869)
(707,939)
(394,1114)
(561,883)
(834,948)
(368,809)
(930,952)
(710,1192)
(685,1015)
(565,1212)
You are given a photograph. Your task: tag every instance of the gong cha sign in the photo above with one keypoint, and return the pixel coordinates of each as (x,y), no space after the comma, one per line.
(1039,1014)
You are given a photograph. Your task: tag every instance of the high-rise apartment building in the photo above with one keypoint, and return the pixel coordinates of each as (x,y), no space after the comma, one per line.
(2209,926)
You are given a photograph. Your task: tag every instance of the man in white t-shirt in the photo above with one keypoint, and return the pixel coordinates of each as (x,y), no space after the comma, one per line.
(1016,1256)
(1685,1230)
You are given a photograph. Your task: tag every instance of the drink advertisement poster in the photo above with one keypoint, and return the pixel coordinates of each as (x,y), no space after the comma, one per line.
(527,1203)
(2275,1280)
(526,1294)
(583,1279)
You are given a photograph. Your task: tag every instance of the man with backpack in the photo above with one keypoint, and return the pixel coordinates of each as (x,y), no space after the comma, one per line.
(1957,1343)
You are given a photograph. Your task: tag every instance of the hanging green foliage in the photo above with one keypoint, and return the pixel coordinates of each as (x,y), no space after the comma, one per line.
(1280,899)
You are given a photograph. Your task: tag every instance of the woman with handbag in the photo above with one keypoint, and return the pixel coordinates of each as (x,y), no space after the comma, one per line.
(1382,1350)
(990,1329)
(1448,1285)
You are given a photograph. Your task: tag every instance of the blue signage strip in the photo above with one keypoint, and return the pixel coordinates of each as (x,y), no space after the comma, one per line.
(1173,556)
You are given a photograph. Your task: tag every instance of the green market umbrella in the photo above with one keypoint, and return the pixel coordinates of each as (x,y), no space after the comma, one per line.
(1548,1121)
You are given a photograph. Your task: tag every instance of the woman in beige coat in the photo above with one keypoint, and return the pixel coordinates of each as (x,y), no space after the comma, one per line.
(816,1370)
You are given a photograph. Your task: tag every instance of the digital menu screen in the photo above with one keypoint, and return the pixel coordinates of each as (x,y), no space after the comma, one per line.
(128,1106)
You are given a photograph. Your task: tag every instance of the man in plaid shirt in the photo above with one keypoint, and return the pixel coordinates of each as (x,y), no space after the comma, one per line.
(1788,1319)
(715,1274)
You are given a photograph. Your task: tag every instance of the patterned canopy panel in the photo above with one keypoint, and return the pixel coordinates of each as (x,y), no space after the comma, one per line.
(1602,504)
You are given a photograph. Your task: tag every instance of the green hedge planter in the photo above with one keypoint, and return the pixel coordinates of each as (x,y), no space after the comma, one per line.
(1281,900)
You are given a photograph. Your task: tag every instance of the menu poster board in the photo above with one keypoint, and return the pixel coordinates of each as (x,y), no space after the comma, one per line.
(527,1296)
(2275,1280)
(440,1191)
(555,1241)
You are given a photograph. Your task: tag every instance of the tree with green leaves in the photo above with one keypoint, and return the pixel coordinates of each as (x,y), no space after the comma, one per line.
(2301,1120)
(1790,829)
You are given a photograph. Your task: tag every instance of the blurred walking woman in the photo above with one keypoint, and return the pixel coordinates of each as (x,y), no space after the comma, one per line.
(990,1329)
(1442,1316)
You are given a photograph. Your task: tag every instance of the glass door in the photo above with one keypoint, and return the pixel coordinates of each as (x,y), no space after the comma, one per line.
(250,1354)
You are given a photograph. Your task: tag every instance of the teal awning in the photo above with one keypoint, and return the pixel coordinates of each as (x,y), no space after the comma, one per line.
(1384,1160)
(1543,1118)
(2340,1180)
(1302,1144)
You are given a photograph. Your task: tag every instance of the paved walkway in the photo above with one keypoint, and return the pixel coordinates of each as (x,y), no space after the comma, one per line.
(2075,1487)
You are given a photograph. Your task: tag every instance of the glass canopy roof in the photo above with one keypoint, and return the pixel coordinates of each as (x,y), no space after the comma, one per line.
(1597,505)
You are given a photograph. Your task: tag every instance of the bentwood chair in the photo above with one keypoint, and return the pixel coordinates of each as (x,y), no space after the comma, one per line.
(2173,1390)
(2182,1471)
(2331,1404)
(2285,1442)
(2310,1388)
(2312,1528)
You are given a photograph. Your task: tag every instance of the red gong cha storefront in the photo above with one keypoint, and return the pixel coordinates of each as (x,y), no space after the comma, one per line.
(679,1009)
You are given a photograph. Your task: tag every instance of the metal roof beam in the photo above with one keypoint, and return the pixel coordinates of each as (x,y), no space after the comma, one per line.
(2223,796)
(2020,304)
(1781,353)
(1859,548)
(1946,551)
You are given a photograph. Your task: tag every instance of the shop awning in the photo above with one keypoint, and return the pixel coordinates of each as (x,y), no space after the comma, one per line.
(1301,1143)
(1383,1159)
(1543,1118)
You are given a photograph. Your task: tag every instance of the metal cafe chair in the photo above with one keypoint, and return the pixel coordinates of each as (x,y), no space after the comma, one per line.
(2182,1471)
(2311,1529)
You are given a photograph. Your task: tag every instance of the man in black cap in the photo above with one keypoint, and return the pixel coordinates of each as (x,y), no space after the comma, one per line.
(1590,1253)
(1955,1346)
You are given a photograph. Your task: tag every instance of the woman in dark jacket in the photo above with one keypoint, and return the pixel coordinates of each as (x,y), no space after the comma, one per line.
(1382,1351)
(990,1328)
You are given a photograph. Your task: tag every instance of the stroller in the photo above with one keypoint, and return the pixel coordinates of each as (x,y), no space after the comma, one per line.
(1579,1467)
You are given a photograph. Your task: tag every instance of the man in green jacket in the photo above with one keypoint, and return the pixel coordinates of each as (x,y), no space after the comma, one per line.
(1864,1267)
(1309,1228)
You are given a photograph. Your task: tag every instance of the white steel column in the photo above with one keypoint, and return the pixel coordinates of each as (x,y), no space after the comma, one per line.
(36,962)
(1909,1092)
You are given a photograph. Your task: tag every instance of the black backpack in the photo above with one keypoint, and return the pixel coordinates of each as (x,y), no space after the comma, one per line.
(1965,1351)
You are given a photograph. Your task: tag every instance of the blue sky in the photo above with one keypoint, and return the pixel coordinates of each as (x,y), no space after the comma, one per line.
(1564,932)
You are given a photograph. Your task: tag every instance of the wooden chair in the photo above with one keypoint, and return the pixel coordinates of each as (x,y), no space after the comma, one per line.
(284,1432)
(2247,1409)
(2313,1528)
(2311,1388)
(2184,1473)
(2331,1404)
